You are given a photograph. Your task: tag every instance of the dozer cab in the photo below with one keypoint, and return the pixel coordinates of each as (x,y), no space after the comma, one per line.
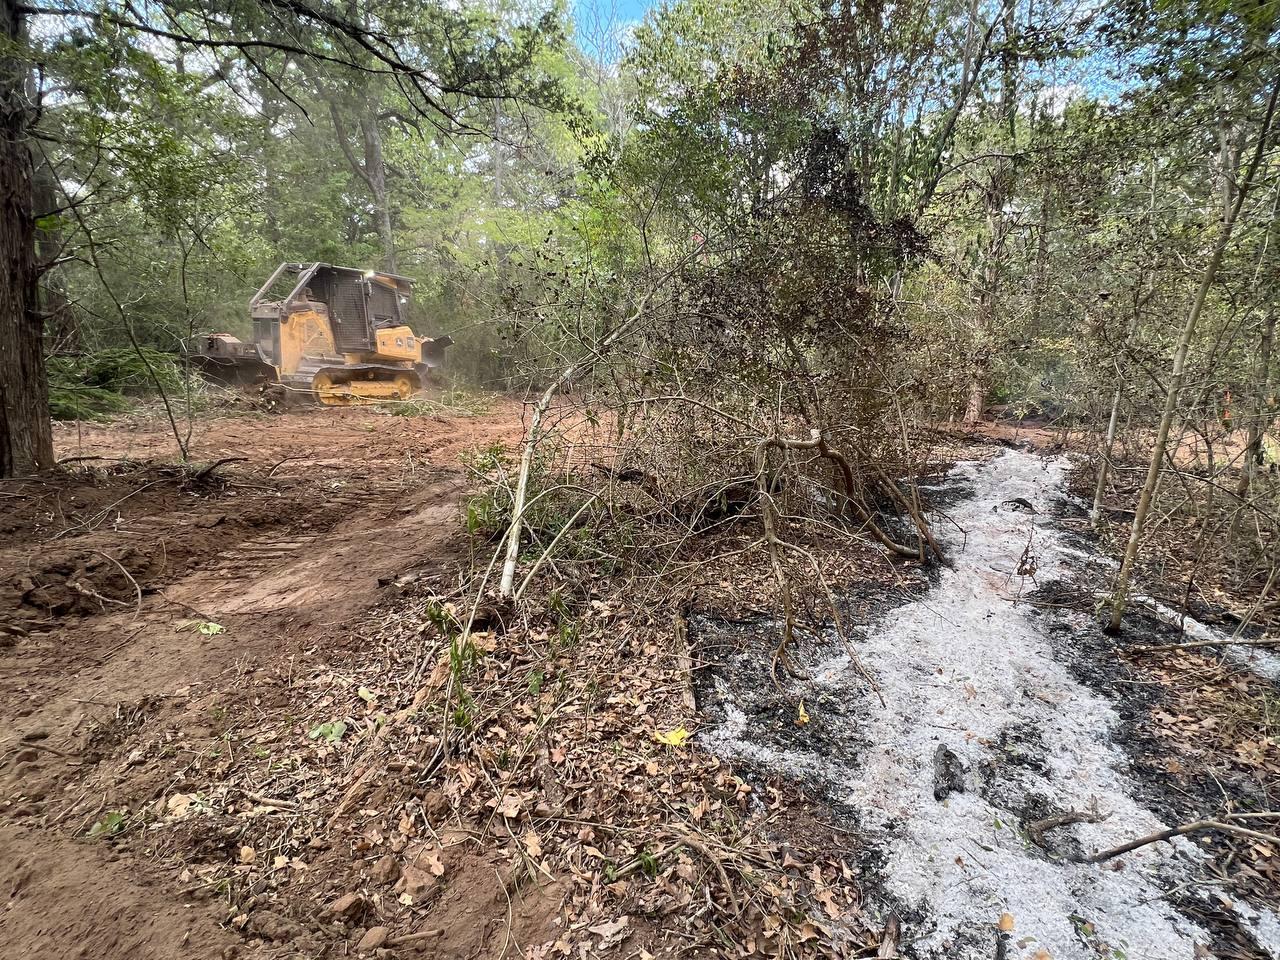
(337,333)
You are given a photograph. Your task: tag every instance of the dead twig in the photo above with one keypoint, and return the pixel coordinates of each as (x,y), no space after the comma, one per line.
(119,646)
(281,463)
(1196,827)
(710,856)
(409,939)
(65,460)
(888,949)
(37,745)
(137,589)
(205,472)
(769,517)
(270,801)
(102,514)
(1198,644)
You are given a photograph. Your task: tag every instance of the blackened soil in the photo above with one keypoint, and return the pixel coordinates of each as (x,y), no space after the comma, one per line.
(1099,661)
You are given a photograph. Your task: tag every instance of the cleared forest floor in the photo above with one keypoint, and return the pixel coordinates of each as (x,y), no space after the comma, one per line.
(225,697)
(137,597)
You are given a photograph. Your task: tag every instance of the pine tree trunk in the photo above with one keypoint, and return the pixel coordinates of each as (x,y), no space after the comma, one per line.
(26,439)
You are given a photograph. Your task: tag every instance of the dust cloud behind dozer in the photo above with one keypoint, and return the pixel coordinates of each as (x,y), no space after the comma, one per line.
(338,334)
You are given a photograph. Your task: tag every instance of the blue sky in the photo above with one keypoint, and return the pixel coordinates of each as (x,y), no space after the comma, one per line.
(595,18)
(625,9)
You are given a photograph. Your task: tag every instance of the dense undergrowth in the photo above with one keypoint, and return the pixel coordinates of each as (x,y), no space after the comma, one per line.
(103,383)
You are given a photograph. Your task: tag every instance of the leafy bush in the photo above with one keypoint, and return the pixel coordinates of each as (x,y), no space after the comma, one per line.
(94,386)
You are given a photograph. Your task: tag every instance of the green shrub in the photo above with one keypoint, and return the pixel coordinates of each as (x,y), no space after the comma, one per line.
(94,386)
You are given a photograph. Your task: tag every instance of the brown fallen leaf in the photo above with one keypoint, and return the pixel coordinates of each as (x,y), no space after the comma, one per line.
(533,844)
(611,933)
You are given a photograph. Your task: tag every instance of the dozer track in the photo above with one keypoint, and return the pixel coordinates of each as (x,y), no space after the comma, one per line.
(364,383)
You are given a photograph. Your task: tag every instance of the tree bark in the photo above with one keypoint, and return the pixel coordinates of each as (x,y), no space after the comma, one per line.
(1262,410)
(372,170)
(996,195)
(1120,593)
(1109,442)
(375,168)
(26,438)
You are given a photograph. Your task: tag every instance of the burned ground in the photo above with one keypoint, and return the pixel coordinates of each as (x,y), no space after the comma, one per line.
(326,769)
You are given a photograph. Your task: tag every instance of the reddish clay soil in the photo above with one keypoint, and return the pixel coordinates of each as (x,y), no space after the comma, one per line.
(109,567)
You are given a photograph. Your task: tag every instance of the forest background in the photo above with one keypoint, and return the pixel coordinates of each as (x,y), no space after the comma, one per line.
(767,217)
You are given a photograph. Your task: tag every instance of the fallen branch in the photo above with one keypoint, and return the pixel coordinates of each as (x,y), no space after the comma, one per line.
(1169,834)
(281,463)
(411,938)
(65,460)
(864,515)
(888,949)
(838,621)
(1197,644)
(710,856)
(204,472)
(270,801)
(922,527)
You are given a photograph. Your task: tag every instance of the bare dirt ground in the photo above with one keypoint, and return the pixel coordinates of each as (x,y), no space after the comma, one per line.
(226,692)
(135,594)
(238,720)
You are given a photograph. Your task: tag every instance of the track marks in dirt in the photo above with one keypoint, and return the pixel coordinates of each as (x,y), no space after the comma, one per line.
(332,572)
(285,553)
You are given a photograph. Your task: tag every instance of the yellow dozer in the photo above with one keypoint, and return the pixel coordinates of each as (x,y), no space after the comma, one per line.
(337,333)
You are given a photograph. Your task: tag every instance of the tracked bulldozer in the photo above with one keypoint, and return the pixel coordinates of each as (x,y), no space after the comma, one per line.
(336,333)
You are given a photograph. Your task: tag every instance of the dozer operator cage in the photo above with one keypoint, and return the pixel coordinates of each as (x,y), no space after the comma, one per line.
(359,301)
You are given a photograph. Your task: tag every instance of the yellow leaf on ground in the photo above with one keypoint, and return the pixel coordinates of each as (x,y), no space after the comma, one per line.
(802,716)
(1006,922)
(674,738)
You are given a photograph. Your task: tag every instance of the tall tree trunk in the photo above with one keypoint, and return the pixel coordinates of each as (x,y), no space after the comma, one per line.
(1109,442)
(372,169)
(1120,593)
(375,170)
(270,113)
(26,439)
(997,194)
(1262,411)
(498,158)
